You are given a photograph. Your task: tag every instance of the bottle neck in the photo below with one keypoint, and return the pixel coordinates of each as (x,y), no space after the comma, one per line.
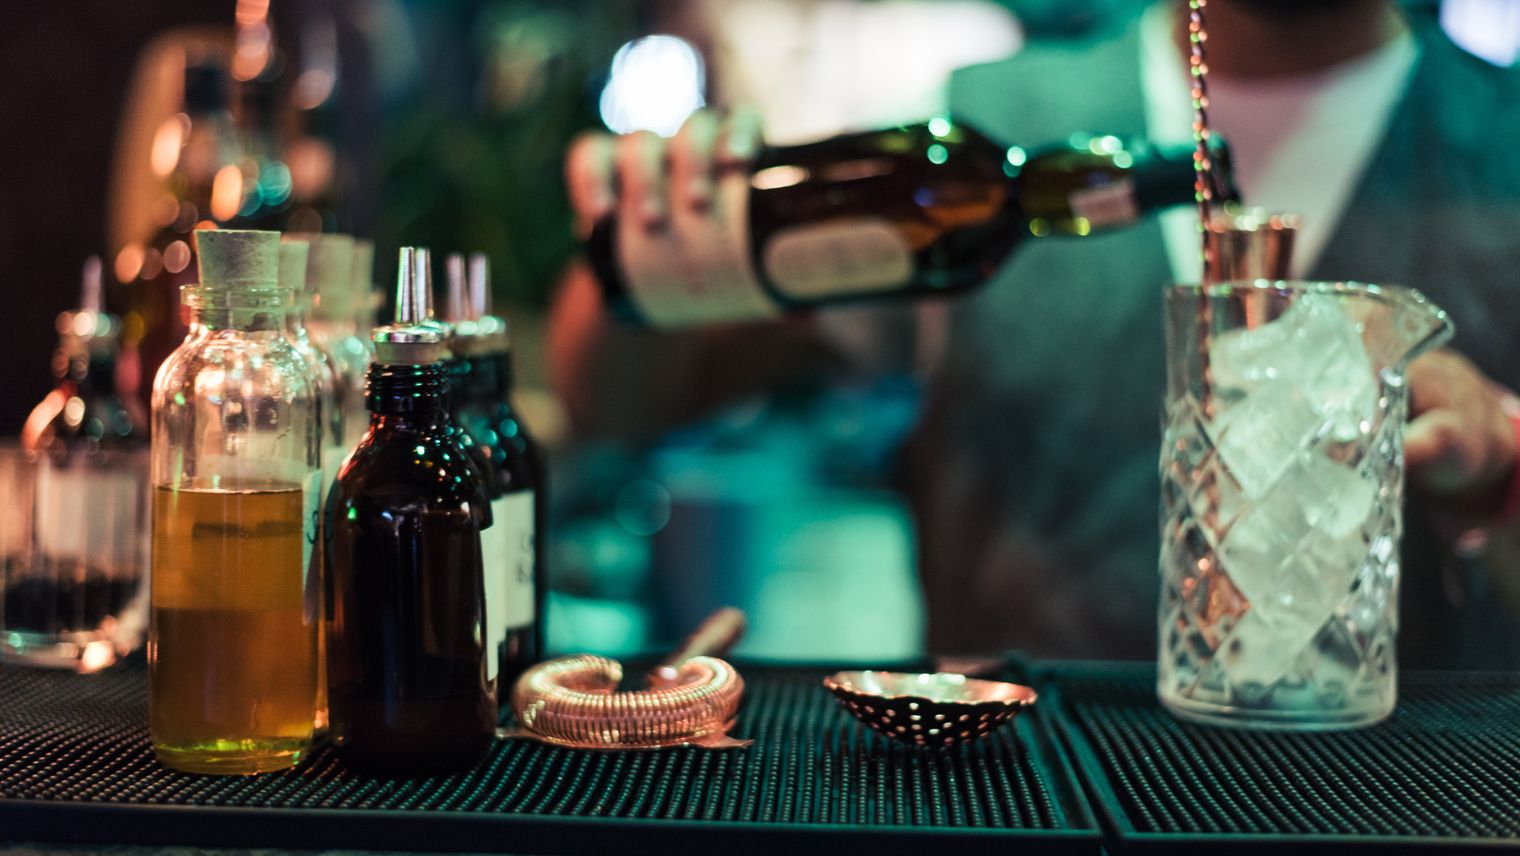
(299,317)
(493,372)
(1165,175)
(256,310)
(407,396)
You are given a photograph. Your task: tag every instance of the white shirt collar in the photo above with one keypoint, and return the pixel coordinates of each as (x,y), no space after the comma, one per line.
(1299,143)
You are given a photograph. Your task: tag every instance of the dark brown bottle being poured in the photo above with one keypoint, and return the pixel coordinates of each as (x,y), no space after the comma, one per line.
(406,628)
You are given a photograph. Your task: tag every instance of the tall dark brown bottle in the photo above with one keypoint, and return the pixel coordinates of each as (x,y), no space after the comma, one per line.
(481,380)
(407,661)
(912,211)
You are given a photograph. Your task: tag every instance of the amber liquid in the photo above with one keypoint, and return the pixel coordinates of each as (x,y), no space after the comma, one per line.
(232,648)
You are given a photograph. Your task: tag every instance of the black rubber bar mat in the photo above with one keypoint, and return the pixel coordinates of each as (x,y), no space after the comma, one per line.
(1442,772)
(76,767)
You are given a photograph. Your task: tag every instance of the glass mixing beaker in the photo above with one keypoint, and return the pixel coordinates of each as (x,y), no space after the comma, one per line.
(1282,475)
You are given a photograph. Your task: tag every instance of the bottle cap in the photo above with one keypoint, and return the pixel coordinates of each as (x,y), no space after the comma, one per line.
(238,259)
(294,253)
(415,338)
(329,276)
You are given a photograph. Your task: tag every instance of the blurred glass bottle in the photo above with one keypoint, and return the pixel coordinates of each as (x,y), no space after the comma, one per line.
(235,470)
(912,211)
(481,402)
(84,412)
(294,257)
(369,299)
(339,275)
(407,647)
(197,153)
(72,550)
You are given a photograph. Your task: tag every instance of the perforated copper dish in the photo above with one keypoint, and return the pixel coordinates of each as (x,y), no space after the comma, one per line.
(937,709)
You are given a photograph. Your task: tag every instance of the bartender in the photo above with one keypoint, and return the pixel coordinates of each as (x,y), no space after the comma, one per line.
(1032,470)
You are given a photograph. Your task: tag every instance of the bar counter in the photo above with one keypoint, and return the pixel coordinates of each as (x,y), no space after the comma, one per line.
(1096,767)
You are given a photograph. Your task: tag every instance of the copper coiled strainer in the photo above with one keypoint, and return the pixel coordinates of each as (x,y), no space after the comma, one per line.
(691,701)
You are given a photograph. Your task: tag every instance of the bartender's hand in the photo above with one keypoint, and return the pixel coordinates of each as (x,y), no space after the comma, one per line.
(642,176)
(1459,446)
(626,382)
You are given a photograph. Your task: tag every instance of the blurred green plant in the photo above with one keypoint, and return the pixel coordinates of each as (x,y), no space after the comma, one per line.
(472,157)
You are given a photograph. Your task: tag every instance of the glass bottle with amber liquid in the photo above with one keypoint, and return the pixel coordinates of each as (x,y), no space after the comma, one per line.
(481,402)
(907,212)
(235,468)
(407,656)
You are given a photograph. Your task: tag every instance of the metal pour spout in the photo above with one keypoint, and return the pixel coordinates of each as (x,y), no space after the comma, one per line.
(415,338)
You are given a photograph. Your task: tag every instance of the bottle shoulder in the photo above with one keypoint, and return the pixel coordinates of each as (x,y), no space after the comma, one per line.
(411,468)
(218,366)
(514,455)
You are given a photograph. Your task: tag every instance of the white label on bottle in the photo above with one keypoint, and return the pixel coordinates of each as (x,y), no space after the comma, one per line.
(1106,204)
(506,548)
(695,268)
(838,258)
(311,534)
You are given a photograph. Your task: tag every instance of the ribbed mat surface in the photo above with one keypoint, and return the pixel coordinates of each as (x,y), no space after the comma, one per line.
(1445,765)
(70,738)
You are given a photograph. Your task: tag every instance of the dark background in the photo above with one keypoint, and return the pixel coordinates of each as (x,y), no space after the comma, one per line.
(63,76)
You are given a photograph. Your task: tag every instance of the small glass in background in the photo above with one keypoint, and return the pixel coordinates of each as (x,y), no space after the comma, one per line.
(73,557)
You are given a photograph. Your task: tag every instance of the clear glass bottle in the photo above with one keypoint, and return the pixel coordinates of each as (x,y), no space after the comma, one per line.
(368,299)
(480,400)
(73,557)
(294,265)
(333,323)
(235,469)
(407,656)
(84,413)
(324,259)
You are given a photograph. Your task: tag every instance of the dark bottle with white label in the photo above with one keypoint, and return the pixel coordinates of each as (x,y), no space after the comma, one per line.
(406,626)
(912,211)
(512,549)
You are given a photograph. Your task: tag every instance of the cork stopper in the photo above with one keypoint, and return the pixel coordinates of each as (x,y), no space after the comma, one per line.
(293,260)
(329,273)
(237,259)
(415,338)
